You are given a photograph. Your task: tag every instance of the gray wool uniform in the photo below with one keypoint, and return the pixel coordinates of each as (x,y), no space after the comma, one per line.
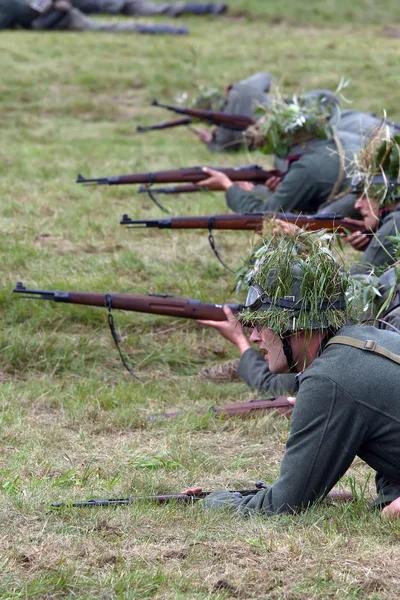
(313,172)
(17,13)
(242,99)
(348,405)
(139,8)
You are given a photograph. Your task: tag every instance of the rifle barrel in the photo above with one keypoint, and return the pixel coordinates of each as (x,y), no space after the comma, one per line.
(153,304)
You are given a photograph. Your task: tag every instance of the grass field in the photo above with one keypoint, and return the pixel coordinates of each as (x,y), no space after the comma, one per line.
(73,422)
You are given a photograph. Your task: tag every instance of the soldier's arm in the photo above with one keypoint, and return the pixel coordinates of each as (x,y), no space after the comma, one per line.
(325,435)
(294,193)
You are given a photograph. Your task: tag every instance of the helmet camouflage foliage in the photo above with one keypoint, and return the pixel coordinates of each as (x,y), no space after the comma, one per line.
(209,99)
(377,171)
(295,283)
(284,124)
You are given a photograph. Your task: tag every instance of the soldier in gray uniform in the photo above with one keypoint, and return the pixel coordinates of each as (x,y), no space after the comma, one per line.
(348,403)
(378,201)
(141,8)
(61,15)
(242,98)
(315,157)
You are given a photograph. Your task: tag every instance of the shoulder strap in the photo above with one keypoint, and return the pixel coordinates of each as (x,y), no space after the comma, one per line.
(368,345)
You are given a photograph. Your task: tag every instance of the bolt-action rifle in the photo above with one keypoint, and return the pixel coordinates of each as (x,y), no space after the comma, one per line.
(154,304)
(213,117)
(246,222)
(251,173)
(252,408)
(189,498)
(162,304)
(161,499)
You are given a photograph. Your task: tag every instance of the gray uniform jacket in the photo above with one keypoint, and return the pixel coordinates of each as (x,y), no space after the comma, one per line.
(348,405)
(243,98)
(17,13)
(306,186)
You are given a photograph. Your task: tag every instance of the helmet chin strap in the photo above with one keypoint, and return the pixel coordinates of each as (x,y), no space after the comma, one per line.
(287,349)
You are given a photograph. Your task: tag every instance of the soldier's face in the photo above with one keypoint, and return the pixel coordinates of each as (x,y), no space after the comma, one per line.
(271,344)
(369,209)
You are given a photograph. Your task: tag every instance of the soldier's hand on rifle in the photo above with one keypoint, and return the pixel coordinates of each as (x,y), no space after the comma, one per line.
(273,183)
(217,181)
(192,491)
(281,227)
(245,185)
(358,240)
(392,510)
(204,135)
(231,330)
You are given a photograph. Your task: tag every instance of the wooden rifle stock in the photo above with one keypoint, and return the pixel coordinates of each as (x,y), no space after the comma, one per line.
(246,222)
(252,173)
(253,408)
(214,117)
(170,306)
(172,189)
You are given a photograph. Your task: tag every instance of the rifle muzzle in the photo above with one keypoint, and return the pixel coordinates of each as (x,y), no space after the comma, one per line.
(40,294)
(141,223)
(97,181)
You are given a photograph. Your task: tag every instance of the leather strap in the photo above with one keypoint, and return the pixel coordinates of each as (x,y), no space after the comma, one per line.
(368,346)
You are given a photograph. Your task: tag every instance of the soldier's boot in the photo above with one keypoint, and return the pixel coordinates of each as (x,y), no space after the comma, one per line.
(225,372)
(209,8)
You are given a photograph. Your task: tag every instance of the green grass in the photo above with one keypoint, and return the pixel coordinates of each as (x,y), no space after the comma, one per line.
(73,424)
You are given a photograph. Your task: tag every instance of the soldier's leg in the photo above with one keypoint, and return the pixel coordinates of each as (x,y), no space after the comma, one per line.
(79,22)
(172,9)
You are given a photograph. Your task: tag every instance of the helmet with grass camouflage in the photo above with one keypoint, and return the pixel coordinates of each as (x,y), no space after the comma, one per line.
(287,123)
(295,284)
(377,172)
(209,99)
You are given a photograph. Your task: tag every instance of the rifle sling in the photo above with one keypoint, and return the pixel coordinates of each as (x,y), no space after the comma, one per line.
(368,345)
(115,336)
(213,246)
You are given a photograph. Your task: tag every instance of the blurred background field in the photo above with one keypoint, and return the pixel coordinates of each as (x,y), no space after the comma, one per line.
(73,423)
